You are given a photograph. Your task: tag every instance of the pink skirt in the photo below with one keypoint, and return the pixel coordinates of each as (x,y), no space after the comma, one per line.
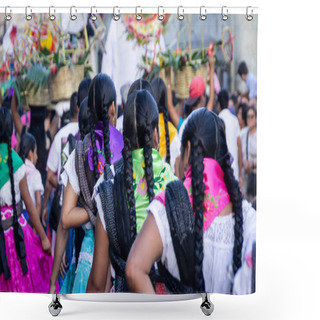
(37,279)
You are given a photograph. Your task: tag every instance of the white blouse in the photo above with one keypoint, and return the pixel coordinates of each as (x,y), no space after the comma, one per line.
(5,191)
(218,242)
(70,175)
(34,181)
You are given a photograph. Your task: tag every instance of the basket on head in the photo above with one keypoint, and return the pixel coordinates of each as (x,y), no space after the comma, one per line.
(65,82)
(39,98)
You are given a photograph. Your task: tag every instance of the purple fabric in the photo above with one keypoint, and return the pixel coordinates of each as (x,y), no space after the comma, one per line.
(116,146)
(77,136)
(37,279)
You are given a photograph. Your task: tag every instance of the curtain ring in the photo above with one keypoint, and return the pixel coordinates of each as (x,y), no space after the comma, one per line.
(28,15)
(249,16)
(52,17)
(73,16)
(116,16)
(224,13)
(93,16)
(160,16)
(8,16)
(203,13)
(180,15)
(138,15)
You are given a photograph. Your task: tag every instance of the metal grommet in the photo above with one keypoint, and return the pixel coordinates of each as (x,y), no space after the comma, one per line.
(160,16)
(73,16)
(203,13)
(224,13)
(249,16)
(8,17)
(28,15)
(180,14)
(138,15)
(116,16)
(93,16)
(52,17)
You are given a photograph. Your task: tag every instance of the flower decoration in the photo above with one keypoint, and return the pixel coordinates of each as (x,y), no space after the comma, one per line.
(142,186)
(145,29)
(43,34)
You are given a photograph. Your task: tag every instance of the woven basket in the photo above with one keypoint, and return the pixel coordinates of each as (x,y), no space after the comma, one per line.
(202,71)
(77,77)
(65,82)
(183,80)
(184,77)
(41,98)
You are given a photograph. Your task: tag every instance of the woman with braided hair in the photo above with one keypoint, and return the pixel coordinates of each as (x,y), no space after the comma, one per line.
(83,168)
(169,148)
(122,200)
(25,258)
(200,231)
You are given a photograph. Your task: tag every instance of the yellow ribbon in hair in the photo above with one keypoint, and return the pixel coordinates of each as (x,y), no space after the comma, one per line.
(162,133)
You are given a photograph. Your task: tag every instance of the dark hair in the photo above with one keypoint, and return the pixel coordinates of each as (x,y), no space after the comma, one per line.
(28,143)
(244,110)
(83,90)
(83,118)
(242,69)
(188,108)
(206,133)
(140,84)
(73,106)
(253,109)
(102,94)
(223,99)
(37,129)
(160,96)
(140,118)
(234,98)
(65,119)
(6,101)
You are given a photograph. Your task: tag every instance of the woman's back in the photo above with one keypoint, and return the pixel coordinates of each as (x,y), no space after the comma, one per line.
(218,242)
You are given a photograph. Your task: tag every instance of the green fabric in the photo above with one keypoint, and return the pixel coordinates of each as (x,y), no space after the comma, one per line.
(4,169)
(162,175)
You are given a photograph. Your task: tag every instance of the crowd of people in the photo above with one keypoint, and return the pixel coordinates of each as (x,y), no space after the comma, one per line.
(140,193)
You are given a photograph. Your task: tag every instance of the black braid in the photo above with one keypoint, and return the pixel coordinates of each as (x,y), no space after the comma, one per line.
(236,199)
(160,95)
(147,153)
(128,176)
(17,230)
(106,134)
(165,117)
(94,147)
(198,187)
(101,96)
(13,194)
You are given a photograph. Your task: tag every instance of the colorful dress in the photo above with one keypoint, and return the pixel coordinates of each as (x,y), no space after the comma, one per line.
(77,276)
(39,263)
(218,235)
